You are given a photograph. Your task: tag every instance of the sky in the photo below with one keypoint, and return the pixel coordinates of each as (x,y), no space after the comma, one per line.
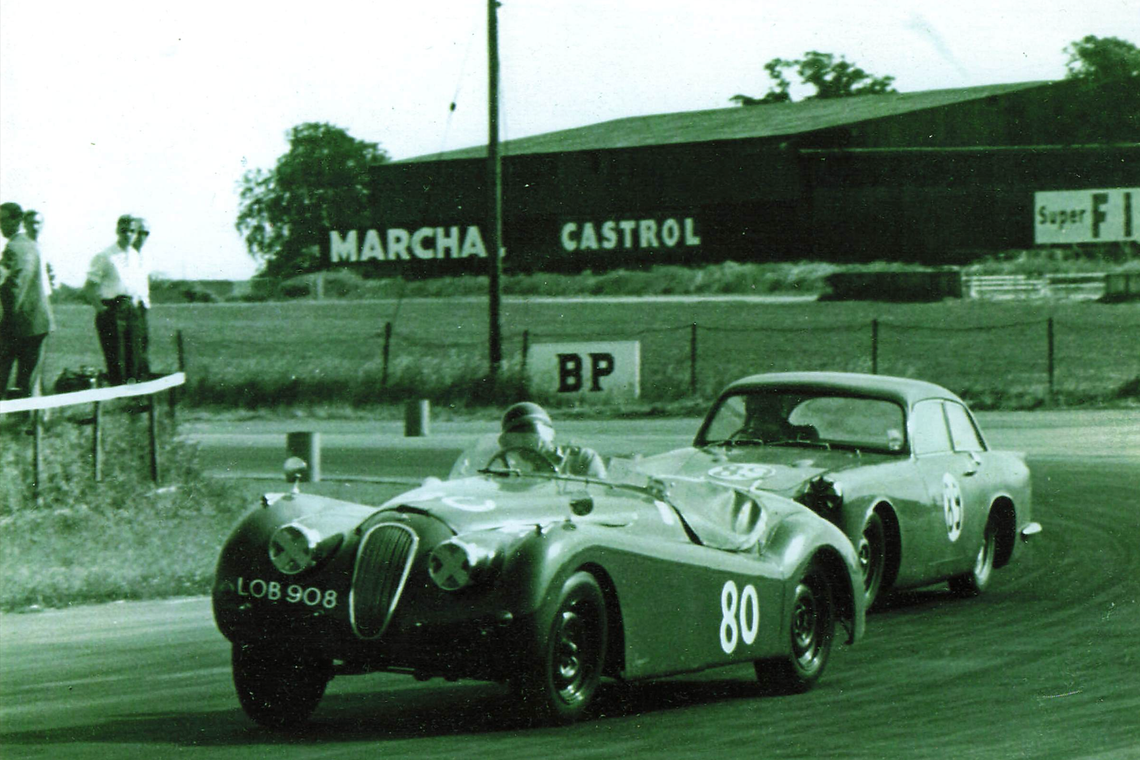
(157,109)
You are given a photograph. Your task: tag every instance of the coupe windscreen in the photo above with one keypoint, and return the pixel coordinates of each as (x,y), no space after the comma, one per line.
(772,418)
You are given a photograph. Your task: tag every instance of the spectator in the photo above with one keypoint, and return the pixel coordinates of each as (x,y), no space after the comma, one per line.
(33,223)
(27,317)
(117,286)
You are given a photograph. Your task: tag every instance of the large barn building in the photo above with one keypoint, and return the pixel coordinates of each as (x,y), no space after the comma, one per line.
(935,177)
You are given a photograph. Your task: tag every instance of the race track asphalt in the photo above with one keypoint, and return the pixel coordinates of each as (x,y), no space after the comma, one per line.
(1044,665)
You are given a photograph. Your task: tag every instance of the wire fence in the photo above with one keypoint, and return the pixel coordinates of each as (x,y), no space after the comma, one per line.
(1018,355)
(366,353)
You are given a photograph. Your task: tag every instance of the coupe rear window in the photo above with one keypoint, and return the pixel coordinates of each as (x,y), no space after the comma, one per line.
(787,417)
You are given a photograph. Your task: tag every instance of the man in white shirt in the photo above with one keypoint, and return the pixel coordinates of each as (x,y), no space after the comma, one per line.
(118,287)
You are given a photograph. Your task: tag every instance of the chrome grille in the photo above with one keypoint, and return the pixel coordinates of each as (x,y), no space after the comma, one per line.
(383,562)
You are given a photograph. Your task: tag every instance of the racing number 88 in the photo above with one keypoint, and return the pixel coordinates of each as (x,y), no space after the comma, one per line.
(733,605)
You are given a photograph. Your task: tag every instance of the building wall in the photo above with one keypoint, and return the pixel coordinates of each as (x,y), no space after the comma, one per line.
(933,186)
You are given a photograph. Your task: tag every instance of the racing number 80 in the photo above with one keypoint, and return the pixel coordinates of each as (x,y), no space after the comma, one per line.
(734,605)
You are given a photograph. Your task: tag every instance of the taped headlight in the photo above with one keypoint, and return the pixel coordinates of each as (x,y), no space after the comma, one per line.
(294,548)
(456,564)
(822,494)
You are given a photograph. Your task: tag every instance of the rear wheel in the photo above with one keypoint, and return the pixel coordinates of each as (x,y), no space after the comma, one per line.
(811,629)
(872,551)
(560,684)
(976,581)
(279,689)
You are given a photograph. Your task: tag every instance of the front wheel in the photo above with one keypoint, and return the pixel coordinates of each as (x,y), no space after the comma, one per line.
(276,689)
(976,581)
(570,654)
(811,629)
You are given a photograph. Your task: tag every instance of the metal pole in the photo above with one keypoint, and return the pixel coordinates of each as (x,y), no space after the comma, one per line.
(525,351)
(494,187)
(874,346)
(97,441)
(693,358)
(384,353)
(1052,356)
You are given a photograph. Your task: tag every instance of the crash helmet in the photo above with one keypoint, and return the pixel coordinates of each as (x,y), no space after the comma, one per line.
(525,417)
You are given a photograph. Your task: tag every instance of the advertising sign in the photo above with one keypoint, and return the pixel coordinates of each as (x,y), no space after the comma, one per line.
(608,369)
(1086,216)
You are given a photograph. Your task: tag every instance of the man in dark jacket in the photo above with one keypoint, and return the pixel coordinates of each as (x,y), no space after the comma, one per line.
(26,312)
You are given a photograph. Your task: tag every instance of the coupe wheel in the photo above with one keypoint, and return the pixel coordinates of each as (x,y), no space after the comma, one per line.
(811,629)
(276,689)
(872,551)
(559,686)
(976,581)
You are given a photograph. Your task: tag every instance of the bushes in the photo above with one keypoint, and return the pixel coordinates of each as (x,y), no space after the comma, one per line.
(88,541)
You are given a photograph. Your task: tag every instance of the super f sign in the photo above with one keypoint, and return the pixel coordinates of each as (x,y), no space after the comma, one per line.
(1086,216)
(610,369)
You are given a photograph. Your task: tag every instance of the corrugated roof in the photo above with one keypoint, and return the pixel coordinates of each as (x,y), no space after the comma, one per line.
(735,123)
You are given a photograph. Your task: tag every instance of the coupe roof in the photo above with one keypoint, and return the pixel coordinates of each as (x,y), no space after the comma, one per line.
(902,389)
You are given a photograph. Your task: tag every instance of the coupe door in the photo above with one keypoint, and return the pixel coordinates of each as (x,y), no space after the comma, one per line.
(950,495)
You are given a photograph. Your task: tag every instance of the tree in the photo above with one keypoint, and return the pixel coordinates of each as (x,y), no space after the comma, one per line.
(831,76)
(321,183)
(1101,59)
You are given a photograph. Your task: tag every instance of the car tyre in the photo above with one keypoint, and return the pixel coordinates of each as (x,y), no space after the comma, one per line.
(975,582)
(811,629)
(570,650)
(872,553)
(278,689)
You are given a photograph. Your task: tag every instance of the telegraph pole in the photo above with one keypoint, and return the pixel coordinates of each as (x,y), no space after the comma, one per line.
(494,185)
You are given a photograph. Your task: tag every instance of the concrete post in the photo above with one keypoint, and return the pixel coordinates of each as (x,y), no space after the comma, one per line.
(306,445)
(417,418)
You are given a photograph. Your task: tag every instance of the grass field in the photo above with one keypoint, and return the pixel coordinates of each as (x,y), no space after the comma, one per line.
(330,352)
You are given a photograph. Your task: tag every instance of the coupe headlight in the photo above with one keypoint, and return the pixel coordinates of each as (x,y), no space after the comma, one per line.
(456,564)
(822,495)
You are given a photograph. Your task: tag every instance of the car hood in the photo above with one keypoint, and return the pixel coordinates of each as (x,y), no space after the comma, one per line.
(778,469)
(483,503)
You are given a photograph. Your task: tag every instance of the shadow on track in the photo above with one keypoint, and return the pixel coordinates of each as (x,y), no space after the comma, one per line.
(419,712)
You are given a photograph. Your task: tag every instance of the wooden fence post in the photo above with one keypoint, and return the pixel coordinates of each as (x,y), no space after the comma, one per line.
(152,419)
(37,453)
(97,441)
(385,353)
(874,346)
(172,397)
(693,358)
(1051,358)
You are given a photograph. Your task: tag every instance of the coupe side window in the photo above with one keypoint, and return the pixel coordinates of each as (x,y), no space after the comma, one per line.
(928,429)
(962,430)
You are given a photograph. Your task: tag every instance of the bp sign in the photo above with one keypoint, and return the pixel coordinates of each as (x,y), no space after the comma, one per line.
(606,369)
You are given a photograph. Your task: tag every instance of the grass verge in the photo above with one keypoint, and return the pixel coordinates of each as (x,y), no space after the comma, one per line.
(122,538)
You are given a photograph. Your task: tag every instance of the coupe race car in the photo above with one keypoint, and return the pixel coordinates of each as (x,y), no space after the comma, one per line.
(509,571)
(899,465)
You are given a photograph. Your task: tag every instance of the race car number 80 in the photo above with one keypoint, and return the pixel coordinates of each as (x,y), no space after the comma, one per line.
(743,605)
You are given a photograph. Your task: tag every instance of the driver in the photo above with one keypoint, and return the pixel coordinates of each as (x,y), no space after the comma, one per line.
(766,417)
(527,425)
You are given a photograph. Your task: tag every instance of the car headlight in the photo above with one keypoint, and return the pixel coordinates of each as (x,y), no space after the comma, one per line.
(294,548)
(456,564)
(822,495)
